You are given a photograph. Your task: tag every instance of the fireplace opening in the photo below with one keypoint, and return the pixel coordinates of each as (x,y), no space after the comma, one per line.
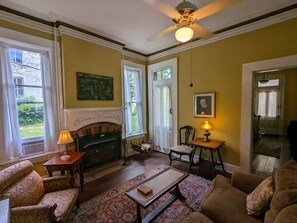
(99,148)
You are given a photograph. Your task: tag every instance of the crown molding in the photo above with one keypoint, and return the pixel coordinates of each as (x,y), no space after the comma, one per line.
(18,9)
(233,32)
(12,12)
(134,55)
(68,31)
(29,23)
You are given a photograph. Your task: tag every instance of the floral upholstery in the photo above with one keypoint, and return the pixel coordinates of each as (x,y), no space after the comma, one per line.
(34,213)
(62,199)
(57,183)
(26,191)
(10,174)
(258,201)
(36,199)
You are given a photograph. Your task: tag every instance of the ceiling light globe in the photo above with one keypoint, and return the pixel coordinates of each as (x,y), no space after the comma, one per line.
(184,34)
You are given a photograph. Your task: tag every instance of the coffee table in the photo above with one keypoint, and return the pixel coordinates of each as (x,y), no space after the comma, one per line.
(160,184)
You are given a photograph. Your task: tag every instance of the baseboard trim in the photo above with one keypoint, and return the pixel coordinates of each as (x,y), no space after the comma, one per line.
(230,168)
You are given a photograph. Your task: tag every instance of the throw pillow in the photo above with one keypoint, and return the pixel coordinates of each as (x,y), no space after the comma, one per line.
(258,201)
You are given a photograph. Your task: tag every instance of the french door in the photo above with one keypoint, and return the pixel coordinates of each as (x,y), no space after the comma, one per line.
(163,105)
(269,104)
(162,122)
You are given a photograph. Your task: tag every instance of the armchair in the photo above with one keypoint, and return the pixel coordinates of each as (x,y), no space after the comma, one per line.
(37,199)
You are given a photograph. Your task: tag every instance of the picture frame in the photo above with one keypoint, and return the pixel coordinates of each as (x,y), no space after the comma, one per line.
(204,105)
(94,87)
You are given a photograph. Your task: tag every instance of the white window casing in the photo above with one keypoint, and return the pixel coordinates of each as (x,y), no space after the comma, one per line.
(140,91)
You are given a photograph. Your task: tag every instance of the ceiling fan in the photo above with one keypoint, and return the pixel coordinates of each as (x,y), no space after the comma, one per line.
(185,15)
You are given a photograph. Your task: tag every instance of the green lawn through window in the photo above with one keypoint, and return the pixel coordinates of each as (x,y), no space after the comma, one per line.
(31,130)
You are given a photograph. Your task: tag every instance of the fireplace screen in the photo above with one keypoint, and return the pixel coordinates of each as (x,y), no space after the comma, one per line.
(100,148)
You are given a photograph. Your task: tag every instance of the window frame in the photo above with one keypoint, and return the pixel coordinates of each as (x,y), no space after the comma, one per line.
(142,73)
(15,39)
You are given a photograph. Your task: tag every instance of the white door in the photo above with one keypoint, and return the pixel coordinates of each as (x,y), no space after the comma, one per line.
(269,104)
(163,104)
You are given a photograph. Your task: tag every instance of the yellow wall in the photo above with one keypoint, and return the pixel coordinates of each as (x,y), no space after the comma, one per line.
(218,67)
(23,29)
(82,56)
(290,109)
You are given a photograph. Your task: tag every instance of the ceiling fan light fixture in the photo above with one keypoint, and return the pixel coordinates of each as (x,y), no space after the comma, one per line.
(184,34)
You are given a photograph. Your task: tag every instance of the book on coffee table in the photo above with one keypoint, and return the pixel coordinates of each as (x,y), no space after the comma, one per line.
(145,190)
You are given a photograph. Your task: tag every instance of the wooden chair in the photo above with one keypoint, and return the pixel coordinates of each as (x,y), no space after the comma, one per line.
(186,134)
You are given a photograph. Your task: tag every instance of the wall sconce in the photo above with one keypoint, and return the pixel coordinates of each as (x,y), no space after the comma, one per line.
(206,126)
(64,138)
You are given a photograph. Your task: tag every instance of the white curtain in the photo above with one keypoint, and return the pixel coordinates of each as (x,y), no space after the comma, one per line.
(128,99)
(127,90)
(267,104)
(51,111)
(162,117)
(11,146)
(138,95)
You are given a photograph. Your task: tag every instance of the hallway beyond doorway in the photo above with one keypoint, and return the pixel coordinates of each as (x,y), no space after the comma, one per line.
(277,152)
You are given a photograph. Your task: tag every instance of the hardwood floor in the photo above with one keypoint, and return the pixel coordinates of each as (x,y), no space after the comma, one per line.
(140,163)
(264,165)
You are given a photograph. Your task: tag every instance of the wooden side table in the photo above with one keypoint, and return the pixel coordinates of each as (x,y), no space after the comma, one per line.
(73,164)
(213,146)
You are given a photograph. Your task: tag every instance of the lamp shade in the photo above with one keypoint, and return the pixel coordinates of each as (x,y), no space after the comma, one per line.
(184,34)
(64,137)
(206,126)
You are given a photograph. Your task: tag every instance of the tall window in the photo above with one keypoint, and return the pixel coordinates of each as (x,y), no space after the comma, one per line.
(134,100)
(29,105)
(29,95)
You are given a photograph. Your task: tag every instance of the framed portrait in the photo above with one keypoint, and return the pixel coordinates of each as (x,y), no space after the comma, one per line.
(204,105)
(94,87)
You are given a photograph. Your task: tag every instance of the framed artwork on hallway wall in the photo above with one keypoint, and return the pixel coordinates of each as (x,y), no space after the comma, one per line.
(204,105)
(94,87)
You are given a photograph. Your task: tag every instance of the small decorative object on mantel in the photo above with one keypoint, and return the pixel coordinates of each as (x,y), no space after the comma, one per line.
(145,190)
(94,87)
(204,105)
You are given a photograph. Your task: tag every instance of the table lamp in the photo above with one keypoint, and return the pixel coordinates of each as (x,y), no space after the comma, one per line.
(206,126)
(64,138)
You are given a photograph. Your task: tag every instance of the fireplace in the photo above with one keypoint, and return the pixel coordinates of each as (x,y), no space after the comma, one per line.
(97,132)
(99,148)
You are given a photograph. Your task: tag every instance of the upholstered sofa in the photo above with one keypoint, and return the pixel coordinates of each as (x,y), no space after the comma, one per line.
(36,199)
(226,202)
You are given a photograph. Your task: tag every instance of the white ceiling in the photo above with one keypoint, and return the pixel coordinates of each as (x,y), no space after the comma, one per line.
(132,22)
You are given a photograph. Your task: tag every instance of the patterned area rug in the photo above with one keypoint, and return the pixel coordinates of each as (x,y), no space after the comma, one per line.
(115,207)
(267,148)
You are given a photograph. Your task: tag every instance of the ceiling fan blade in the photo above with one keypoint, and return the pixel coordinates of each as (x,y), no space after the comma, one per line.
(212,8)
(168,10)
(162,33)
(201,31)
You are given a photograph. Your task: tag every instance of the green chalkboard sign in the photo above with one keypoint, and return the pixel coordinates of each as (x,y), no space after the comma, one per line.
(94,87)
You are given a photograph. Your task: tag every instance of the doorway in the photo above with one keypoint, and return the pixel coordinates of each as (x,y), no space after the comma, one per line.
(162,86)
(270,143)
(248,70)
